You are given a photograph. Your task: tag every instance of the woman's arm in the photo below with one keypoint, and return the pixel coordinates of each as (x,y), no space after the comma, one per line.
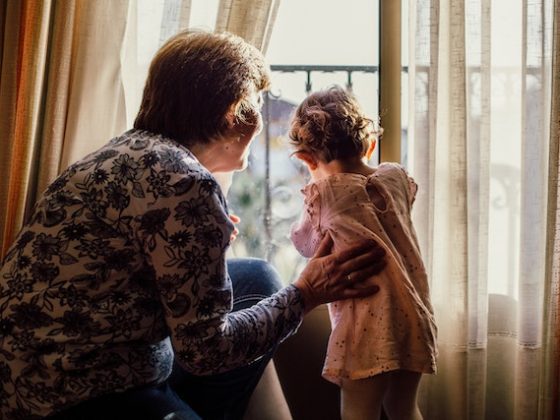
(187,252)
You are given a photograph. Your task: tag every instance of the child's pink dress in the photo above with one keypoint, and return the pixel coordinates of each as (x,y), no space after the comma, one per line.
(395,328)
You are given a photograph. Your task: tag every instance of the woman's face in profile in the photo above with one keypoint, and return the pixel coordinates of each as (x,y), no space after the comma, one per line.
(236,146)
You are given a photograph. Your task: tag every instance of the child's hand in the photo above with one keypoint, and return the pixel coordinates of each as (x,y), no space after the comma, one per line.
(235,220)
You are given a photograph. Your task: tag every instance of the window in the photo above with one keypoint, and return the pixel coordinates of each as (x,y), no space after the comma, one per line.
(337,46)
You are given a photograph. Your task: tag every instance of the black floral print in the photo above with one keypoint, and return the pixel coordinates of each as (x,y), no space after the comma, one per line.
(122,264)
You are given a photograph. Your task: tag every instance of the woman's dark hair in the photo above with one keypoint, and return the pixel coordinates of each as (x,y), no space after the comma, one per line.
(194,80)
(331,125)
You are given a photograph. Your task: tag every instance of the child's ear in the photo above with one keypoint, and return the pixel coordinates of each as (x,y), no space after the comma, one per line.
(371,148)
(308,159)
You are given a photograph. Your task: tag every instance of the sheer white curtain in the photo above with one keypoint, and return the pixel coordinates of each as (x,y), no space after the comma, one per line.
(96,107)
(480,83)
(550,400)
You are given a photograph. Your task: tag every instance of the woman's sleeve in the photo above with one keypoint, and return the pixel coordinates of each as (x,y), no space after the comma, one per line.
(186,236)
(305,234)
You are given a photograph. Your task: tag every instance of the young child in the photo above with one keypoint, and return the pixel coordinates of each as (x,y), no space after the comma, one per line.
(379,346)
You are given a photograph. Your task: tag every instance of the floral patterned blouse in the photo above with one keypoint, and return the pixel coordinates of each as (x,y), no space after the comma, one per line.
(121,266)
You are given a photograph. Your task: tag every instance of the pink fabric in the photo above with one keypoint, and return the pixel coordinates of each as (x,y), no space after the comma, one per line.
(395,328)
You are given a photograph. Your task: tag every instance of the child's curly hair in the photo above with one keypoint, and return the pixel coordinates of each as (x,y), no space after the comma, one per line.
(331,125)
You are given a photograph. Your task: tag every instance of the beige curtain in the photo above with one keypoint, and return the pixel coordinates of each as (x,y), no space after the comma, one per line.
(96,105)
(251,19)
(22,75)
(60,94)
(550,369)
(479,138)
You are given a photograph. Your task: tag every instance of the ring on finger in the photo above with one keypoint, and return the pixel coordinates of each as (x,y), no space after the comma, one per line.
(349,277)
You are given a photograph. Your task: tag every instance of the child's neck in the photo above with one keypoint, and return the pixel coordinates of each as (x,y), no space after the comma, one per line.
(355,165)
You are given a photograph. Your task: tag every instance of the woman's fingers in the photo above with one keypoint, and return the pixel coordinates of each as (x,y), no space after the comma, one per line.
(348,273)
(361,253)
(363,291)
(367,255)
(359,248)
(235,220)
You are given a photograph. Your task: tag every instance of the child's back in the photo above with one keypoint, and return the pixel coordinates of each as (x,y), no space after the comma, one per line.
(393,329)
(380,345)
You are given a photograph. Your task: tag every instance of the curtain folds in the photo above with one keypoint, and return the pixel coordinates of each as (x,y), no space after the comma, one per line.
(480,141)
(251,19)
(60,92)
(550,370)
(96,103)
(26,35)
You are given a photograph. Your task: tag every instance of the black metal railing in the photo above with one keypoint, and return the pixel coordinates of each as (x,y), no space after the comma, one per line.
(309,69)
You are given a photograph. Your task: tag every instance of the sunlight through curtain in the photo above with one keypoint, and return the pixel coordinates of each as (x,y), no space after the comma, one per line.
(550,370)
(23,76)
(56,86)
(480,83)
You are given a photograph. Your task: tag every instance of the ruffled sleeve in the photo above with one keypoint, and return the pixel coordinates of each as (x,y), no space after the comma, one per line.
(306,234)
(399,180)
(412,186)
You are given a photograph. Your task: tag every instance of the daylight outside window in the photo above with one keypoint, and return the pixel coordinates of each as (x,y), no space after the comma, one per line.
(338,46)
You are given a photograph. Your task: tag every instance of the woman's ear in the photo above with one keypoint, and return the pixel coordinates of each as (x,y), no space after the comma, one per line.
(231,118)
(371,148)
(308,158)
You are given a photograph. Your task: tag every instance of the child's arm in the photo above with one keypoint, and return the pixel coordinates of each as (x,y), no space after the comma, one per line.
(306,234)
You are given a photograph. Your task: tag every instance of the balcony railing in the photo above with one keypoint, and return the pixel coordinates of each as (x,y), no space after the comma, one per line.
(309,69)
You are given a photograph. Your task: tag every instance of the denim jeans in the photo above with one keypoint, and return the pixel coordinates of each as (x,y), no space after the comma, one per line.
(185,396)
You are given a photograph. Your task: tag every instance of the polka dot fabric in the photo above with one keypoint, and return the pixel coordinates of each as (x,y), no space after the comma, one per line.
(395,328)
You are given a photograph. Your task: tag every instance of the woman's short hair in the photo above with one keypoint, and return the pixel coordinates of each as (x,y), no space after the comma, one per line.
(331,125)
(194,80)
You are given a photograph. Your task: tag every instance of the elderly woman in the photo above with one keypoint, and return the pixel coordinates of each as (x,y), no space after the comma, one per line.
(116,299)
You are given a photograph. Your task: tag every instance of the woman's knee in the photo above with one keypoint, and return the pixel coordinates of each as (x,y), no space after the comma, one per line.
(253,279)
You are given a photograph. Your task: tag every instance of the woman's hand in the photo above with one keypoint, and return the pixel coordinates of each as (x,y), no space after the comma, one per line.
(235,220)
(341,275)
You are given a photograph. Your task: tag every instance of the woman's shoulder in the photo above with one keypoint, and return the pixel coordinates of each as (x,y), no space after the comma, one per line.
(161,154)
